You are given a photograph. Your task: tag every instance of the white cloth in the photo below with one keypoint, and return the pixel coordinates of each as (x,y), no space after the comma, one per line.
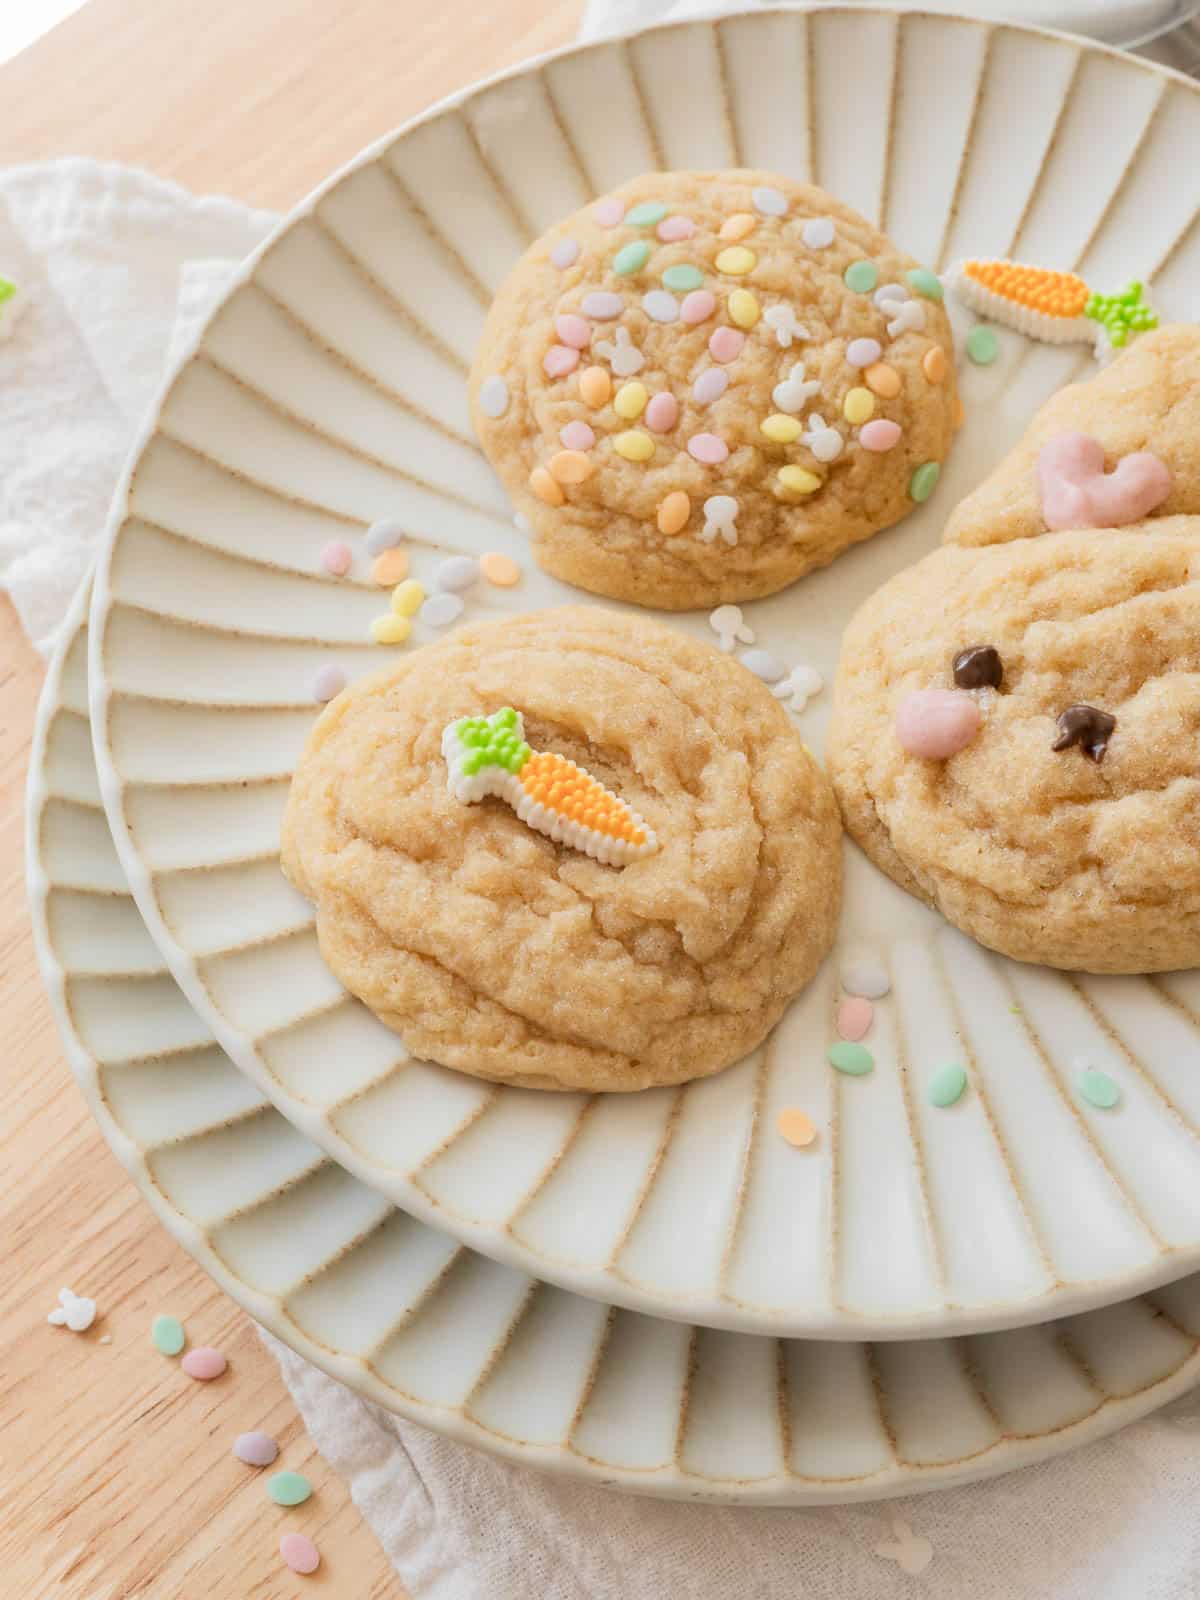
(118,266)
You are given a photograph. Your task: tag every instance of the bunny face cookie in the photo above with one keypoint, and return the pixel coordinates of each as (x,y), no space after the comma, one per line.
(706,384)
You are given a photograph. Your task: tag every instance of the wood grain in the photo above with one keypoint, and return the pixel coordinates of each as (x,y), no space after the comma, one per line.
(116,1478)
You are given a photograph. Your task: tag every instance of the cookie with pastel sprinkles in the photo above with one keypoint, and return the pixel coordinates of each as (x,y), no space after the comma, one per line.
(705,385)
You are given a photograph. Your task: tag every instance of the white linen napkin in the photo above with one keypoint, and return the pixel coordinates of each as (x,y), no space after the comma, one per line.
(118,266)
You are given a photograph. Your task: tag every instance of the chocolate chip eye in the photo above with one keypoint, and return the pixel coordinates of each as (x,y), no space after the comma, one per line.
(978,667)
(1087,727)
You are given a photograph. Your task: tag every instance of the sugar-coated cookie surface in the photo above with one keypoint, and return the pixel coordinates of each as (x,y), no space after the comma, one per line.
(495,950)
(1065,827)
(705,385)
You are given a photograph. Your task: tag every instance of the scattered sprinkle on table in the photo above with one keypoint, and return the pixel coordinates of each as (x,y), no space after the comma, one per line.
(855,1060)
(982,345)
(289,1488)
(440,610)
(796,1126)
(456,573)
(867,978)
(383,536)
(204,1363)
(75,1312)
(407,598)
(328,682)
(299,1553)
(167,1335)
(1098,1089)
(948,1085)
(390,568)
(390,629)
(854,1018)
(499,569)
(255,1449)
(336,558)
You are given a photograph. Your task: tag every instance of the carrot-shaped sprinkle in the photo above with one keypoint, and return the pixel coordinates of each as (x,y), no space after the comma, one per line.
(489,756)
(1056,307)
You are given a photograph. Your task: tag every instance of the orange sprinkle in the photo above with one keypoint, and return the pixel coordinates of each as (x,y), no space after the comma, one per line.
(570,466)
(390,568)
(500,569)
(674,512)
(738,226)
(595,387)
(1053,294)
(545,487)
(933,364)
(796,1126)
(882,380)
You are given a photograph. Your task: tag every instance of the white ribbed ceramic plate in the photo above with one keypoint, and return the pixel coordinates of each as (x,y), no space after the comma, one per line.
(451,1339)
(328,390)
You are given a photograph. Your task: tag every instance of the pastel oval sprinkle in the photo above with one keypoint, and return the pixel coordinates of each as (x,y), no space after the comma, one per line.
(336,558)
(926,283)
(646,214)
(299,1553)
(327,683)
(744,309)
(407,598)
(798,480)
(602,305)
(982,345)
(577,436)
(631,258)
(725,344)
(630,400)
(858,406)
(204,1363)
(390,568)
(570,466)
(707,448)
(167,1335)
(861,276)
(595,386)
(289,1488)
(674,230)
(499,569)
(854,1018)
(441,609)
(889,291)
(883,380)
(383,536)
(936,724)
(1098,1089)
(796,1126)
(559,360)
(493,396)
(771,202)
(948,1085)
(573,330)
(698,306)
(663,412)
(924,481)
(607,213)
(880,435)
(456,573)
(390,629)
(737,261)
(817,233)
(547,489)
(255,1449)
(764,665)
(855,1060)
(780,428)
(709,386)
(674,512)
(564,254)
(737,226)
(933,364)
(660,306)
(683,276)
(863,352)
(866,978)
(634,445)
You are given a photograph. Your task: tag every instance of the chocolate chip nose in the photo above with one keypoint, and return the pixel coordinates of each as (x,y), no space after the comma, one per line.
(1087,727)
(978,667)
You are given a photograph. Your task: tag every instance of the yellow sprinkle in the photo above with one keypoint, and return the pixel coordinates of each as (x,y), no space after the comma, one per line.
(781,429)
(407,598)
(390,629)
(744,309)
(674,512)
(858,406)
(595,386)
(545,487)
(634,445)
(798,480)
(630,400)
(570,466)
(738,226)
(737,261)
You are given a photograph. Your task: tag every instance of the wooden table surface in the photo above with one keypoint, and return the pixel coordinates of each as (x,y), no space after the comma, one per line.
(116,1479)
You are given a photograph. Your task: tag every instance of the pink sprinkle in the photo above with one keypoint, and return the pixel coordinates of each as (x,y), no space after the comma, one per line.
(710,386)
(937,723)
(698,306)
(726,344)
(608,213)
(336,558)
(255,1449)
(854,1018)
(559,360)
(328,682)
(573,330)
(204,1363)
(577,436)
(662,413)
(565,254)
(299,1553)
(879,435)
(602,305)
(706,447)
(672,229)
(863,352)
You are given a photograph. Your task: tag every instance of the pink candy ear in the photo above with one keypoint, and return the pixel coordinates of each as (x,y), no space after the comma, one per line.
(1078,493)
(937,723)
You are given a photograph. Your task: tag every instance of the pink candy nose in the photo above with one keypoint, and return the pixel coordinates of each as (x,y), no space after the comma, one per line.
(937,723)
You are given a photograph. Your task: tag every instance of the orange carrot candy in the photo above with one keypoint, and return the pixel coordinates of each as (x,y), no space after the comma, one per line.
(489,756)
(1056,307)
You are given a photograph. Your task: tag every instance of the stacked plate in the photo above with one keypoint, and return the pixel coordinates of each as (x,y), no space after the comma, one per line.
(654,1291)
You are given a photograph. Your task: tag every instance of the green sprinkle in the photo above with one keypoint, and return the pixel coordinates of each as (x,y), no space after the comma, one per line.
(646,215)
(852,1059)
(168,1335)
(682,276)
(631,258)
(1098,1089)
(861,276)
(925,282)
(289,1488)
(7,289)
(982,345)
(947,1085)
(924,481)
